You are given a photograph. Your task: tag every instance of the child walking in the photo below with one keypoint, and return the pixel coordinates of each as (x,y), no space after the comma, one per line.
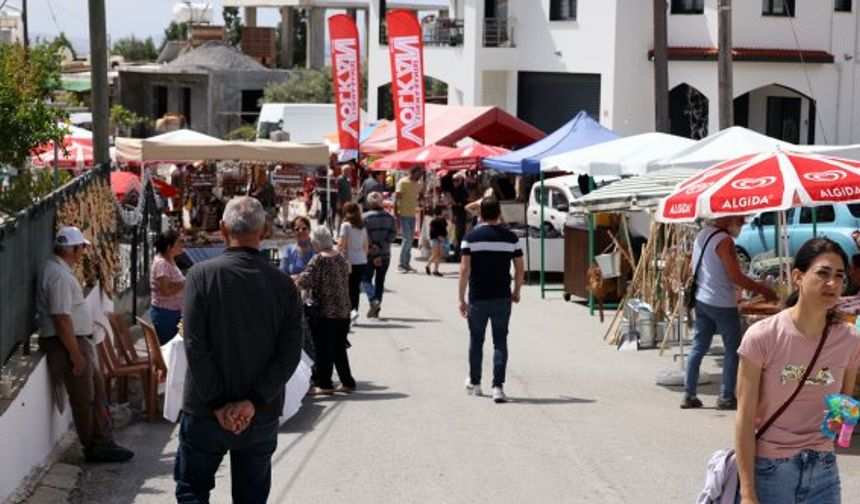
(438,235)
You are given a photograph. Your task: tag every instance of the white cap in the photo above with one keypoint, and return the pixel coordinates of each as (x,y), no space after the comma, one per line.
(70,236)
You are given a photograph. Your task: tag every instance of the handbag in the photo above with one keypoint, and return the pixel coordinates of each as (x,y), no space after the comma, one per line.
(722,481)
(690,288)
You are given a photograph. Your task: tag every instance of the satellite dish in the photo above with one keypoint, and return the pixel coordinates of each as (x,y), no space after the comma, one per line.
(192,13)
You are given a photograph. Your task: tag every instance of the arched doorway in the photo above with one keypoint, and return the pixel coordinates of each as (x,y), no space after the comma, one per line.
(435,91)
(688,112)
(777,111)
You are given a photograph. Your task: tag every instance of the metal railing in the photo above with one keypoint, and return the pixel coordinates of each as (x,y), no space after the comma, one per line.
(437,32)
(499,32)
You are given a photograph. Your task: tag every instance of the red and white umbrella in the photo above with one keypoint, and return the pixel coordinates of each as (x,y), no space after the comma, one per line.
(428,156)
(75,153)
(768,181)
(469,157)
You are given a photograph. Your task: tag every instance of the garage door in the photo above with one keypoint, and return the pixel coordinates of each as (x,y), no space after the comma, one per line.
(549,100)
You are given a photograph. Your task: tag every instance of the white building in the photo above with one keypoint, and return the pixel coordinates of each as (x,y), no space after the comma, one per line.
(10,25)
(544,60)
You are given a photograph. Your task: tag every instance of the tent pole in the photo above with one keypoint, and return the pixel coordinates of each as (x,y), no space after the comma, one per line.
(590,247)
(542,237)
(528,249)
(815,222)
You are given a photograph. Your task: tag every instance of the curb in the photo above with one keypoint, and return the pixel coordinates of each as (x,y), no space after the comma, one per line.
(59,486)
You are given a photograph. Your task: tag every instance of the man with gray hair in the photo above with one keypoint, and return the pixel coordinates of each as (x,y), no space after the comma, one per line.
(65,333)
(381,232)
(243,339)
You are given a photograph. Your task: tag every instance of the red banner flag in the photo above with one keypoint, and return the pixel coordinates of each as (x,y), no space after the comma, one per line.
(407,77)
(346,77)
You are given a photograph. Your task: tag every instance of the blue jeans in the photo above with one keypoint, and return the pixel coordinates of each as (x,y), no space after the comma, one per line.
(375,290)
(709,321)
(808,477)
(498,313)
(202,446)
(407,231)
(166,323)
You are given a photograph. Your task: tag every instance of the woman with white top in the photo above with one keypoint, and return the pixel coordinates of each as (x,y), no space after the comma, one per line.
(353,244)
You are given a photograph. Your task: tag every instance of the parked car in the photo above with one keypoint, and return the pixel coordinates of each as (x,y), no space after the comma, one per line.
(837,222)
(559,193)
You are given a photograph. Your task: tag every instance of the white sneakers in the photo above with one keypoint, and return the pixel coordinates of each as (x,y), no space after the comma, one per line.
(353,315)
(499,395)
(474,390)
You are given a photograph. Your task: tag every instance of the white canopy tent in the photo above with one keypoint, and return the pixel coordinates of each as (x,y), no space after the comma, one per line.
(726,144)
(636,193)
(187,145)
(626,156)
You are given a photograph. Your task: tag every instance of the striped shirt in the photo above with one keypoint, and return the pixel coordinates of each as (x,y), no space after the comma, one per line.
(491,248)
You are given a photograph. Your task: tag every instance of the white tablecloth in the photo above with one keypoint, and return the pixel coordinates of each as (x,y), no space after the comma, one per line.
(177,364)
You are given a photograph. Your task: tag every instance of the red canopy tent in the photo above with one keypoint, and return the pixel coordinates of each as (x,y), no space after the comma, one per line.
(428,156)
(122,182)
(447,124)
(469,157)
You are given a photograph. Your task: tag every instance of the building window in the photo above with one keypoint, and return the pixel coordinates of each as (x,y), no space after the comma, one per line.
(159,101)
(562,10)
(777,8)
(186,105)
(842,5)
(688,6)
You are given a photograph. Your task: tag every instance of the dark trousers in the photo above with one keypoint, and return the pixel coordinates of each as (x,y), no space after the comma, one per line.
(375,290)
(459,216)
(498,313)
(86,392)
(330,345)
(355,276)
(202,446)
(165,322)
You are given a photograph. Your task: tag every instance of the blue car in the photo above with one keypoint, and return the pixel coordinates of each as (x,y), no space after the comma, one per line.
(836,222)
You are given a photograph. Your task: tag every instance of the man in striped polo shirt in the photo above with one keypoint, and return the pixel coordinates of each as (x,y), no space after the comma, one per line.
(485,266)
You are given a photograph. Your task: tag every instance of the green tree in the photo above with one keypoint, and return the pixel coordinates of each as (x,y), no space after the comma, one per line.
(244,133)
(27,120)
(174,31)
(234,25)
(62,41)
(135,49)
(308,86)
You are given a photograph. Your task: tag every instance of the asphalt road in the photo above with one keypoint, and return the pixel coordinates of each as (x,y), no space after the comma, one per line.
(586,423)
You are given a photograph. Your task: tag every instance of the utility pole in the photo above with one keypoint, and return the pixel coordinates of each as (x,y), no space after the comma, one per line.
(25,23)
(724,65)
(661,69)
(99,76)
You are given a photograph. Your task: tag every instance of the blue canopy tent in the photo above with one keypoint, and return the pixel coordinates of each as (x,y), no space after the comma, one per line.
(581,131)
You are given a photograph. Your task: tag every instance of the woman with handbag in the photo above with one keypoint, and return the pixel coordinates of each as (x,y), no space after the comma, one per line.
(788,364)
(327,279)
(354,245)
(716,275)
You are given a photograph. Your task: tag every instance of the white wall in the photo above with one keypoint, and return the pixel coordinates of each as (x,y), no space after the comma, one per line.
(632,106)
(758,109)
(29,429)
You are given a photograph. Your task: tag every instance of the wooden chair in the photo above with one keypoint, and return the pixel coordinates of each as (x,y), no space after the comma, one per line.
(113,368)
(123,341)
(154,349)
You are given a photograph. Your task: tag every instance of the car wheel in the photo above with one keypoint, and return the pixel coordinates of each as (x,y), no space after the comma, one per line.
(744,260)
(566,296)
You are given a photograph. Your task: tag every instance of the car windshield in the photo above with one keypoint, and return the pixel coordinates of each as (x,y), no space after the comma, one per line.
(574,190)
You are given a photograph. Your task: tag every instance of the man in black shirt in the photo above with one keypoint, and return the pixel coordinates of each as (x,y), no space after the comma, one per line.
(243,340)
(485,266)
(460,197)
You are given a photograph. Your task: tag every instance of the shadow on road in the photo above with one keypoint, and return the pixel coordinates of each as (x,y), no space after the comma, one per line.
(383,326)
(550,400)
(405,319)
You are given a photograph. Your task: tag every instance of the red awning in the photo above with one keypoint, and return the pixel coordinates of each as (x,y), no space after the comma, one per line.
(122,182)
(447,124)
(761,54)
(429,157)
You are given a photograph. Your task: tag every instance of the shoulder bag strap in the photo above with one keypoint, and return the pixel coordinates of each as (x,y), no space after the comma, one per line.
(702,255)
(800,385)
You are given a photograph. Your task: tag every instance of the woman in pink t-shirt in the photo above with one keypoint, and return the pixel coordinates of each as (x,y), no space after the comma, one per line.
(793,461)
(166,283)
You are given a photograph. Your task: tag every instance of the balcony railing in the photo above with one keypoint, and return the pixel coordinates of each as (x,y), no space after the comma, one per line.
(434,32)
(499,32)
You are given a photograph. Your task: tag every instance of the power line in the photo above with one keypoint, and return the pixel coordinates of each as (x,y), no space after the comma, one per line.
(806,75)
(54,17)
